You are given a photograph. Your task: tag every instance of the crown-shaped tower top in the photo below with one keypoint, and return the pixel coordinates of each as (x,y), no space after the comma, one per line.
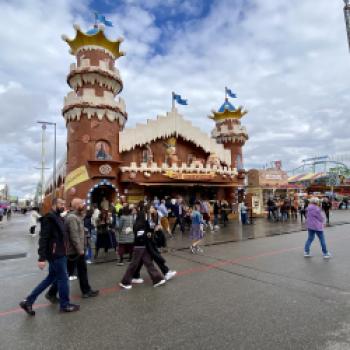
(227,111)
(96,39)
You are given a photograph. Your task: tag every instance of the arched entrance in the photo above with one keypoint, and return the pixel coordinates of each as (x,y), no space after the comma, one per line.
(101,193)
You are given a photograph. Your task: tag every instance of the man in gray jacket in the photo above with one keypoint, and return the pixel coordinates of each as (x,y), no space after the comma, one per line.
(76,249)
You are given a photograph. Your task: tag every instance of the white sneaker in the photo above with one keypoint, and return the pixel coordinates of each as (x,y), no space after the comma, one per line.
(199,249)
(72,278)
(327,256)
(307,255)
(137,280)
(125,286)
(89,262)
(169,275)
(160,283)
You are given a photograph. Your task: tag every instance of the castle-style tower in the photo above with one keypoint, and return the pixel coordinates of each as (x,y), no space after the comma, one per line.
(93,117)
(229,131)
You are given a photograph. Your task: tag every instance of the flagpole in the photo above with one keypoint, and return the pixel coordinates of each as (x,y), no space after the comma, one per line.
(96,20)
(225,93)
(172,101)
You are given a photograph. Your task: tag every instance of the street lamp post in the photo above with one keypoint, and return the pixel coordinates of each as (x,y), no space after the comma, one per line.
(44,124)
(347,18)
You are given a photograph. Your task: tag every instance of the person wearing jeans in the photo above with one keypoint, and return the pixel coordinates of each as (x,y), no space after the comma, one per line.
(314,224)
(57,276)
(52,249)
(76,249)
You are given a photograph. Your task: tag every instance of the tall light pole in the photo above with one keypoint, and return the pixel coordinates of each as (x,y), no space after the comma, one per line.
(347,19)
(43,125)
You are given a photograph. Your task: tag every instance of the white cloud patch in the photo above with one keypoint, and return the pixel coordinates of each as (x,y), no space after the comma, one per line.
(287,61)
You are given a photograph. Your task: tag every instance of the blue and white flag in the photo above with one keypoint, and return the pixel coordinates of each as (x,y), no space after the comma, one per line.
(230,93)
(102,19)
(179,99)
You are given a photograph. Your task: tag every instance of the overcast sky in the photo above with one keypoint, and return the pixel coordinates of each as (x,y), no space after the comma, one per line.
(288,62)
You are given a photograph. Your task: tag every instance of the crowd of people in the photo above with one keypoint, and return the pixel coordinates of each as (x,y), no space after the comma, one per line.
(135,232)
(110,228)
(138,234)
(285,209)
(5,212)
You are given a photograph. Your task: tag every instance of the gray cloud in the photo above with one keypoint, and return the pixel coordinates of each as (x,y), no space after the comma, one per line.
(287,61)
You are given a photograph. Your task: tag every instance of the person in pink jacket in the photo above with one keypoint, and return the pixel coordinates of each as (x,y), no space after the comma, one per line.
(315,224)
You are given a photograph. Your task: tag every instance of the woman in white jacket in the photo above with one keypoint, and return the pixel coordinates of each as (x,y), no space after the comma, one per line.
(34,217)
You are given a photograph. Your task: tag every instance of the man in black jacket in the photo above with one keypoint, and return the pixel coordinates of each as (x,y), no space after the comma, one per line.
(76,250)
(52,249)
(326,206)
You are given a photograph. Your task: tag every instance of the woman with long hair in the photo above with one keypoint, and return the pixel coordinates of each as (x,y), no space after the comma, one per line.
(103,224)
(141,255)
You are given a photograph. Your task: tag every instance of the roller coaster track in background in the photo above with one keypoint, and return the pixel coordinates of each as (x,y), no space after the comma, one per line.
(325,163)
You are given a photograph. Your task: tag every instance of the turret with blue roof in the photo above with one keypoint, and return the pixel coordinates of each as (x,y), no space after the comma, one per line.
(228,111)
(229,131)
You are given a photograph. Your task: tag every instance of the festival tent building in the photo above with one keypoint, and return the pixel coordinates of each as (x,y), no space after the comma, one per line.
(168,155)
(269,183)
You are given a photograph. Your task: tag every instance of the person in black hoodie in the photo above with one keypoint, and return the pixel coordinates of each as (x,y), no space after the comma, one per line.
(52,249)
(141,255)
(155,241)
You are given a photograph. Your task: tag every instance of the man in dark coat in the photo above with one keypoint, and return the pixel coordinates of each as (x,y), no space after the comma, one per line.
(179,213)
(326,206)
(52,250)
(76,249)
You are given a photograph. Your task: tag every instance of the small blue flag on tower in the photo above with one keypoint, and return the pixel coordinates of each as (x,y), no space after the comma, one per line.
(230,93)
(179,99)
(102,19)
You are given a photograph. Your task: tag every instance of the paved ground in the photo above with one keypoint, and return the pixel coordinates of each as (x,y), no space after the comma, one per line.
(250,294)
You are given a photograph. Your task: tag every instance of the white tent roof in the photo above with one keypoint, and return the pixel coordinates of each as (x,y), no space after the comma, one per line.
(173,124)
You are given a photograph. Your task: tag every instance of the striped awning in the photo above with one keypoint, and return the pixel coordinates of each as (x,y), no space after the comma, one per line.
(295,178)
(306,177)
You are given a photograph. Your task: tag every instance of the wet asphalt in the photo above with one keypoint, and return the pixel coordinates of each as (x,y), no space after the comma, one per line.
(249,294)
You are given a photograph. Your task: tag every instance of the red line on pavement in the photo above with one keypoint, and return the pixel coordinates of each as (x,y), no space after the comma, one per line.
(109,290)
(18,310)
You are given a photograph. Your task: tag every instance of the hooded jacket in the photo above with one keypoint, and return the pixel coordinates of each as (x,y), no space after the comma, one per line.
(314,218)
